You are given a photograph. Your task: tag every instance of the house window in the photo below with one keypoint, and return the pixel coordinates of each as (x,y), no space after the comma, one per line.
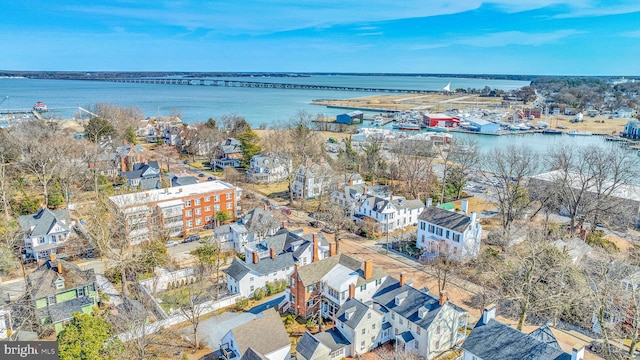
(80,292)
(456,237)
(229,206)
(197,202)
(373,326)
(447,234)
(418,329)
(416,344)
(251,279)
(362,345)
(251,288)
(438,330)
(207,218)
(378,282)
(431,228)
(198,221)
(216,208)
(363,287)
(187,203)
(198,211)
(51,299)
(437,344)
(439,231)
(393,316)
(189,223)
(41,240)
(310,288)
(229,196)
(207,198)
(216,198)
(401,321)
(188,213)
(207,208)
(364,331)
(369,316)
(373,338)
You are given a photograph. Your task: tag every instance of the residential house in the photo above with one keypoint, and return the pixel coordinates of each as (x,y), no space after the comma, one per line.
(361,325)
(329,344)
(265,335)
(176,210)
(172,136)
(419,321)
(45,232)
(127,155)
(442,231)
(272,260)
(324,286)
(143,176)
(394,212)
(228,153)
(57,289)
(254,226)
(491,339)
(312,179)
(348,194)
(268,168)
(620,312)
(623,112)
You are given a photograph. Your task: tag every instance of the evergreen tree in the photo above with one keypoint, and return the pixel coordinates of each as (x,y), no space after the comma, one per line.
(88,337)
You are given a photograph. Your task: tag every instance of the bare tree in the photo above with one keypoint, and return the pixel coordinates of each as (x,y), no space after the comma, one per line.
(190,303)
(509,170)
(460,156)
(413,164)
(9,153)
(337,221)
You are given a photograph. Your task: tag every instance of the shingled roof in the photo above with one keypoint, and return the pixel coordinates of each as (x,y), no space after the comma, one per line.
(254,334)
(239,268)
(498,341)
(446,219)
(40,223)
(41,282)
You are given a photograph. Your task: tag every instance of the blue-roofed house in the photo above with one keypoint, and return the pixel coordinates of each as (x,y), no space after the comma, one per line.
(353,117)
(329,344)
(143,176)
(490,339)
(45,232)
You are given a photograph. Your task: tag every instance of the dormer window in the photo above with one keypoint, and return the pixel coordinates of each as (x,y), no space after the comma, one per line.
(400,298)
(59,283)
(422,312)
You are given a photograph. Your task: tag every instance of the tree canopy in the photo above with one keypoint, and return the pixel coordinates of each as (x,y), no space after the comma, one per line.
(88,337)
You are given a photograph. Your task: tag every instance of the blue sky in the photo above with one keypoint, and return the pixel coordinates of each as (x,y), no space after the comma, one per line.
(571,37)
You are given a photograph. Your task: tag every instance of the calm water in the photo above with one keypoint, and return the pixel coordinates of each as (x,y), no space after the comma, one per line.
(198,103)
(257,105)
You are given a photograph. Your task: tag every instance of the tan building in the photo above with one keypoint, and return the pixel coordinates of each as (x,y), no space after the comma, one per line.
(176,210)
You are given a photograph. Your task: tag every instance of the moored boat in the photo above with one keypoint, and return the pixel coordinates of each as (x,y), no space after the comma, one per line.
(437,129)
(40,106)
(578,133)
(552,132)
(408,126)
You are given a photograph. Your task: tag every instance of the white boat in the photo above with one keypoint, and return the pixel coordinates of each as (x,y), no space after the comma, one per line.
(377,121)
(408,126)
(578,133)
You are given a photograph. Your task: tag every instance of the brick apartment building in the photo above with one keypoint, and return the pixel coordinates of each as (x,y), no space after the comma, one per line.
(175,210)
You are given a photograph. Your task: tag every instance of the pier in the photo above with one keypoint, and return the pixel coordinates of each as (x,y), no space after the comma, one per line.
(259,84)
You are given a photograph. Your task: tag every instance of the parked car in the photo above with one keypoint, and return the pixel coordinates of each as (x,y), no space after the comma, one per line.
(201,175)
(211,178)
(171,244)
(209,226)
(286,211)
(190,238)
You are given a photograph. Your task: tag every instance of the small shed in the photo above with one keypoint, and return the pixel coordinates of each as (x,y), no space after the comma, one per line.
(353,117)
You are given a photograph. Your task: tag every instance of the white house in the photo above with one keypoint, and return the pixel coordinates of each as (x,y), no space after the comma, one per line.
(312,179)
(394,212)
(272,260)
(361,325)
(264,336)
(267,168)
(45,232)
(446,232)
(329,344)
(491,339)
(254,226)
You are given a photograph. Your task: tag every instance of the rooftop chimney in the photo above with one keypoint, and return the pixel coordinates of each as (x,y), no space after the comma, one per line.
(577,353)
(284,224)
(59,267)
(180,189)
(443,297)
(403,278)
(52,257)
(352,291)
(255,257)
(368,269)
(316,258)
(488,313)
(332,249)
(359,168)
(350,181)
(364,190)
(465,206)
(272,253)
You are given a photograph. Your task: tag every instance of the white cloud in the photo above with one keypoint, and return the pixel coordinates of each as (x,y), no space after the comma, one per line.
(500,39)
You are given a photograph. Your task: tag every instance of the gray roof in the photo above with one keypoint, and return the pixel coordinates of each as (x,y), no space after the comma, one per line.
(332,339)
(413,300)
(63,311)
(497,341)
(446,219)
(544,334)
(254,334)
(184,180)
(351,312)
(43,221)
(267,265)
(259,216)
(41,282)
(312,273)
(251,354)
(309,347)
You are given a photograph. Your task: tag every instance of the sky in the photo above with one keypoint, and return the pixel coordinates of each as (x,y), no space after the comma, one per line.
(524,37)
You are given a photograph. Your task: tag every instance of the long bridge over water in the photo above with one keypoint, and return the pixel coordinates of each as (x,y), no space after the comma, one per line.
(260,84)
